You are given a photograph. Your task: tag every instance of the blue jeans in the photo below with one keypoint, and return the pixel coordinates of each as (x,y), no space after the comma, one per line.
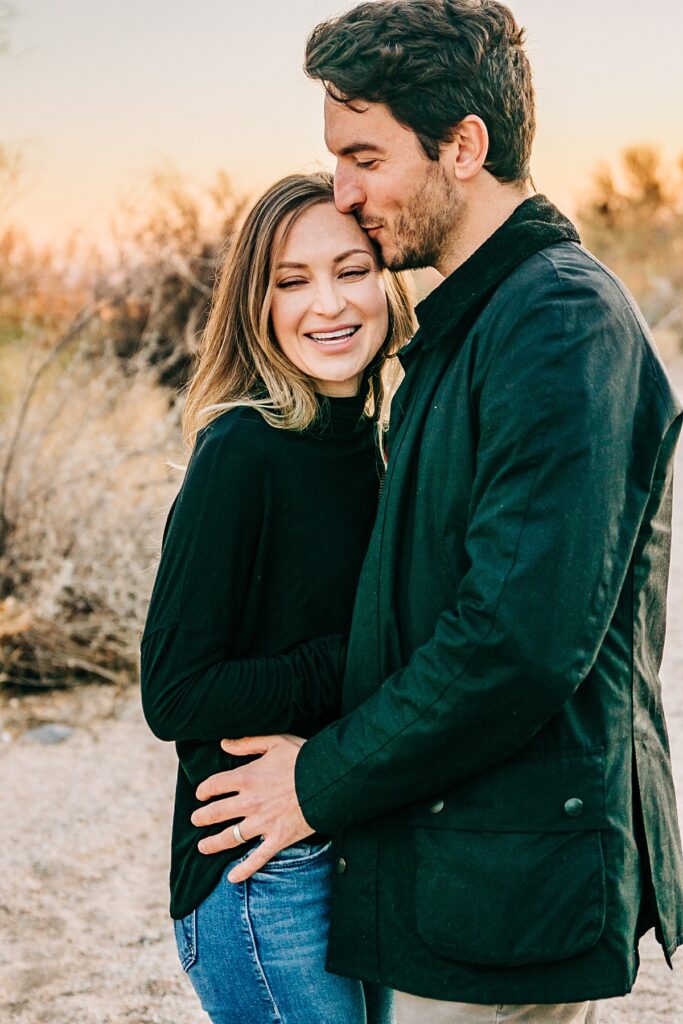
(255,951)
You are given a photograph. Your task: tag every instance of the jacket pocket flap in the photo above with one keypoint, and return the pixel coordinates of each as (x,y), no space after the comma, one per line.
(559,792)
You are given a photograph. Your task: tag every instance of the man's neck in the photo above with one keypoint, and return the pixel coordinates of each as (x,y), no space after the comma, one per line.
(486,210)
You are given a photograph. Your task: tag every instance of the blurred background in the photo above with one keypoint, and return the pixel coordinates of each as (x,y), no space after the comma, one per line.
(131,137)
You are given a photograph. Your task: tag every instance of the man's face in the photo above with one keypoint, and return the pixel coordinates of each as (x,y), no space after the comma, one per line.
(404,200)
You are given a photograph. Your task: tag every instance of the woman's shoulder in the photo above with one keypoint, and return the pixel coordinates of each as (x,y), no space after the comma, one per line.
(241,441)
(240,421)
(237,442)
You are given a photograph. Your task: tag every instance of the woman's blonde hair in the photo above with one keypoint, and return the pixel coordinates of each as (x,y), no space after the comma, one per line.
(239,360)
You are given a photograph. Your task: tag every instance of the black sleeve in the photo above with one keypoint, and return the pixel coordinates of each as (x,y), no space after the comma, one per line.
(191,688)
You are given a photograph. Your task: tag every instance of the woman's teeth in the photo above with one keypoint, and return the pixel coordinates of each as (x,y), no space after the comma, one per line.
(332,337)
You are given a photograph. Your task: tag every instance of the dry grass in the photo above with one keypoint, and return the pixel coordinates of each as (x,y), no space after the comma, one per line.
(90,368)
(84,476)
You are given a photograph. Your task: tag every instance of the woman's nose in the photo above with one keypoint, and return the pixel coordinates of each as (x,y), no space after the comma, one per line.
(329,300)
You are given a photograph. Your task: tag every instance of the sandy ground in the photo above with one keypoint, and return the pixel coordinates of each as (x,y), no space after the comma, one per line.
(84,935)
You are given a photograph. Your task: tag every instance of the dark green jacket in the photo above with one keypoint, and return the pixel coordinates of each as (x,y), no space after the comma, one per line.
(502,690)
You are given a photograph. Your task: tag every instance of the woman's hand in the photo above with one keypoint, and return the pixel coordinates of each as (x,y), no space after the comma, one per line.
(262,794)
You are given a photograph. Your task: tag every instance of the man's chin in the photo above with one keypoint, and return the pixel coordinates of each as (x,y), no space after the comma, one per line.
(406,261)
(395,259)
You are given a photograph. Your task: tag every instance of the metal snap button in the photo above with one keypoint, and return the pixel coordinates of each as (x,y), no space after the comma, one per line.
(437,807)
(573,807)
(341,865)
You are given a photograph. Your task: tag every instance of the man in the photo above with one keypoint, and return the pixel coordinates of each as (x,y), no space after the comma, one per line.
(499,787)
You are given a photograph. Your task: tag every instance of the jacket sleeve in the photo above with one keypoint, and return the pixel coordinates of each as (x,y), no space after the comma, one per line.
(192,689)
(570,422)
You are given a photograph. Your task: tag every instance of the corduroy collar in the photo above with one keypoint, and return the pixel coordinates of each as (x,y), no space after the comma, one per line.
(533,226)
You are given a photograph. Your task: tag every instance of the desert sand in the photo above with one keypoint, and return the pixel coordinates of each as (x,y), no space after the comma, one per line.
(84,932)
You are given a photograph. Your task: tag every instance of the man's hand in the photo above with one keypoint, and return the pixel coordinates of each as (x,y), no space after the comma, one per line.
(262,793)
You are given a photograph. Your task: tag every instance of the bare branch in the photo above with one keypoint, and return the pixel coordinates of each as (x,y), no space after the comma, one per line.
(78,324)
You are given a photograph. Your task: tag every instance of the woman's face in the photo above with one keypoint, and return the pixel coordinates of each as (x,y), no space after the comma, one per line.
(329,308)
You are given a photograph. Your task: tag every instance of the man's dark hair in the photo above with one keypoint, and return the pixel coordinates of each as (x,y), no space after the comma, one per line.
(432,62)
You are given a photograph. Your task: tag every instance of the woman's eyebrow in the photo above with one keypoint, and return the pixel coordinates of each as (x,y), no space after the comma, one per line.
(351,252)
(337,259)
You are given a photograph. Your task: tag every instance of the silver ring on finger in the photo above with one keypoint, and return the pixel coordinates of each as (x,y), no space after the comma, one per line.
(237,835)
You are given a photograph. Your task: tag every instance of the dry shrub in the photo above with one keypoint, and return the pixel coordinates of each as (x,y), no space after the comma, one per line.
(633,220)
(168,245)
(83,477)
(87,427)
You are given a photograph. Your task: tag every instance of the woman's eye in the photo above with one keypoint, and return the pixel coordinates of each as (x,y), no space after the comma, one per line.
(357,272)
(291,282)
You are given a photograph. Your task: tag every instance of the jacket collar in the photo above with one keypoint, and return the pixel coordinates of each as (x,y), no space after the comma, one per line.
(533,226)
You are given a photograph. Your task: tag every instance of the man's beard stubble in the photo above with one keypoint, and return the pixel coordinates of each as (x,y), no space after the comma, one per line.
(423,231)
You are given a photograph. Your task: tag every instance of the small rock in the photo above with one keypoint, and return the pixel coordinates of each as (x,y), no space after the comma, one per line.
(147,938)
(49,733)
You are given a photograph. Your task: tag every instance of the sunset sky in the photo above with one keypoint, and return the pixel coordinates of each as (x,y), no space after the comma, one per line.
(99,93)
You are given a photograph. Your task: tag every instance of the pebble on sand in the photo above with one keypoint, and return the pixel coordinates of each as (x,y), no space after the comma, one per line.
(49,733)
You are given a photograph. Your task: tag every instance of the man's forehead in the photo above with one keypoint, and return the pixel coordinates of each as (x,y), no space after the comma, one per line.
(356,127)
(342,118)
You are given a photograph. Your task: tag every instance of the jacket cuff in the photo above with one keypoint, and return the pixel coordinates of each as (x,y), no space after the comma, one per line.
(320,803)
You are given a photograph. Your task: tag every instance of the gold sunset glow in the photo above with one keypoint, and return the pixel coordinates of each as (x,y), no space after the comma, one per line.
(96,95)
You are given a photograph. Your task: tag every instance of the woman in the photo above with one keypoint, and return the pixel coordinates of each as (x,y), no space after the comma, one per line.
(260,559)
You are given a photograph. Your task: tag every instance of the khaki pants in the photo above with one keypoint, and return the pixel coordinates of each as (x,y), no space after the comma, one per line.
(416,1010)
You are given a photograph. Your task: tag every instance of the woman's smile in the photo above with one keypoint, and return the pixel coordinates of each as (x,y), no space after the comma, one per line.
(334,337)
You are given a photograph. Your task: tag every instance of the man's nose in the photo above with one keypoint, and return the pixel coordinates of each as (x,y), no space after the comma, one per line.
(348,195)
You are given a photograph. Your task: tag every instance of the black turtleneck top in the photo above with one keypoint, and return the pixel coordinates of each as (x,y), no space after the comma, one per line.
(245,633)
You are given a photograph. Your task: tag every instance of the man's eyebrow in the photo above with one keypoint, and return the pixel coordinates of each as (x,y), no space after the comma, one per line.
(337,259)
(359,147)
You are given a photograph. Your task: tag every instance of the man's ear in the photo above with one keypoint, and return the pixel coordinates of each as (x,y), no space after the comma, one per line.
(465,156)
